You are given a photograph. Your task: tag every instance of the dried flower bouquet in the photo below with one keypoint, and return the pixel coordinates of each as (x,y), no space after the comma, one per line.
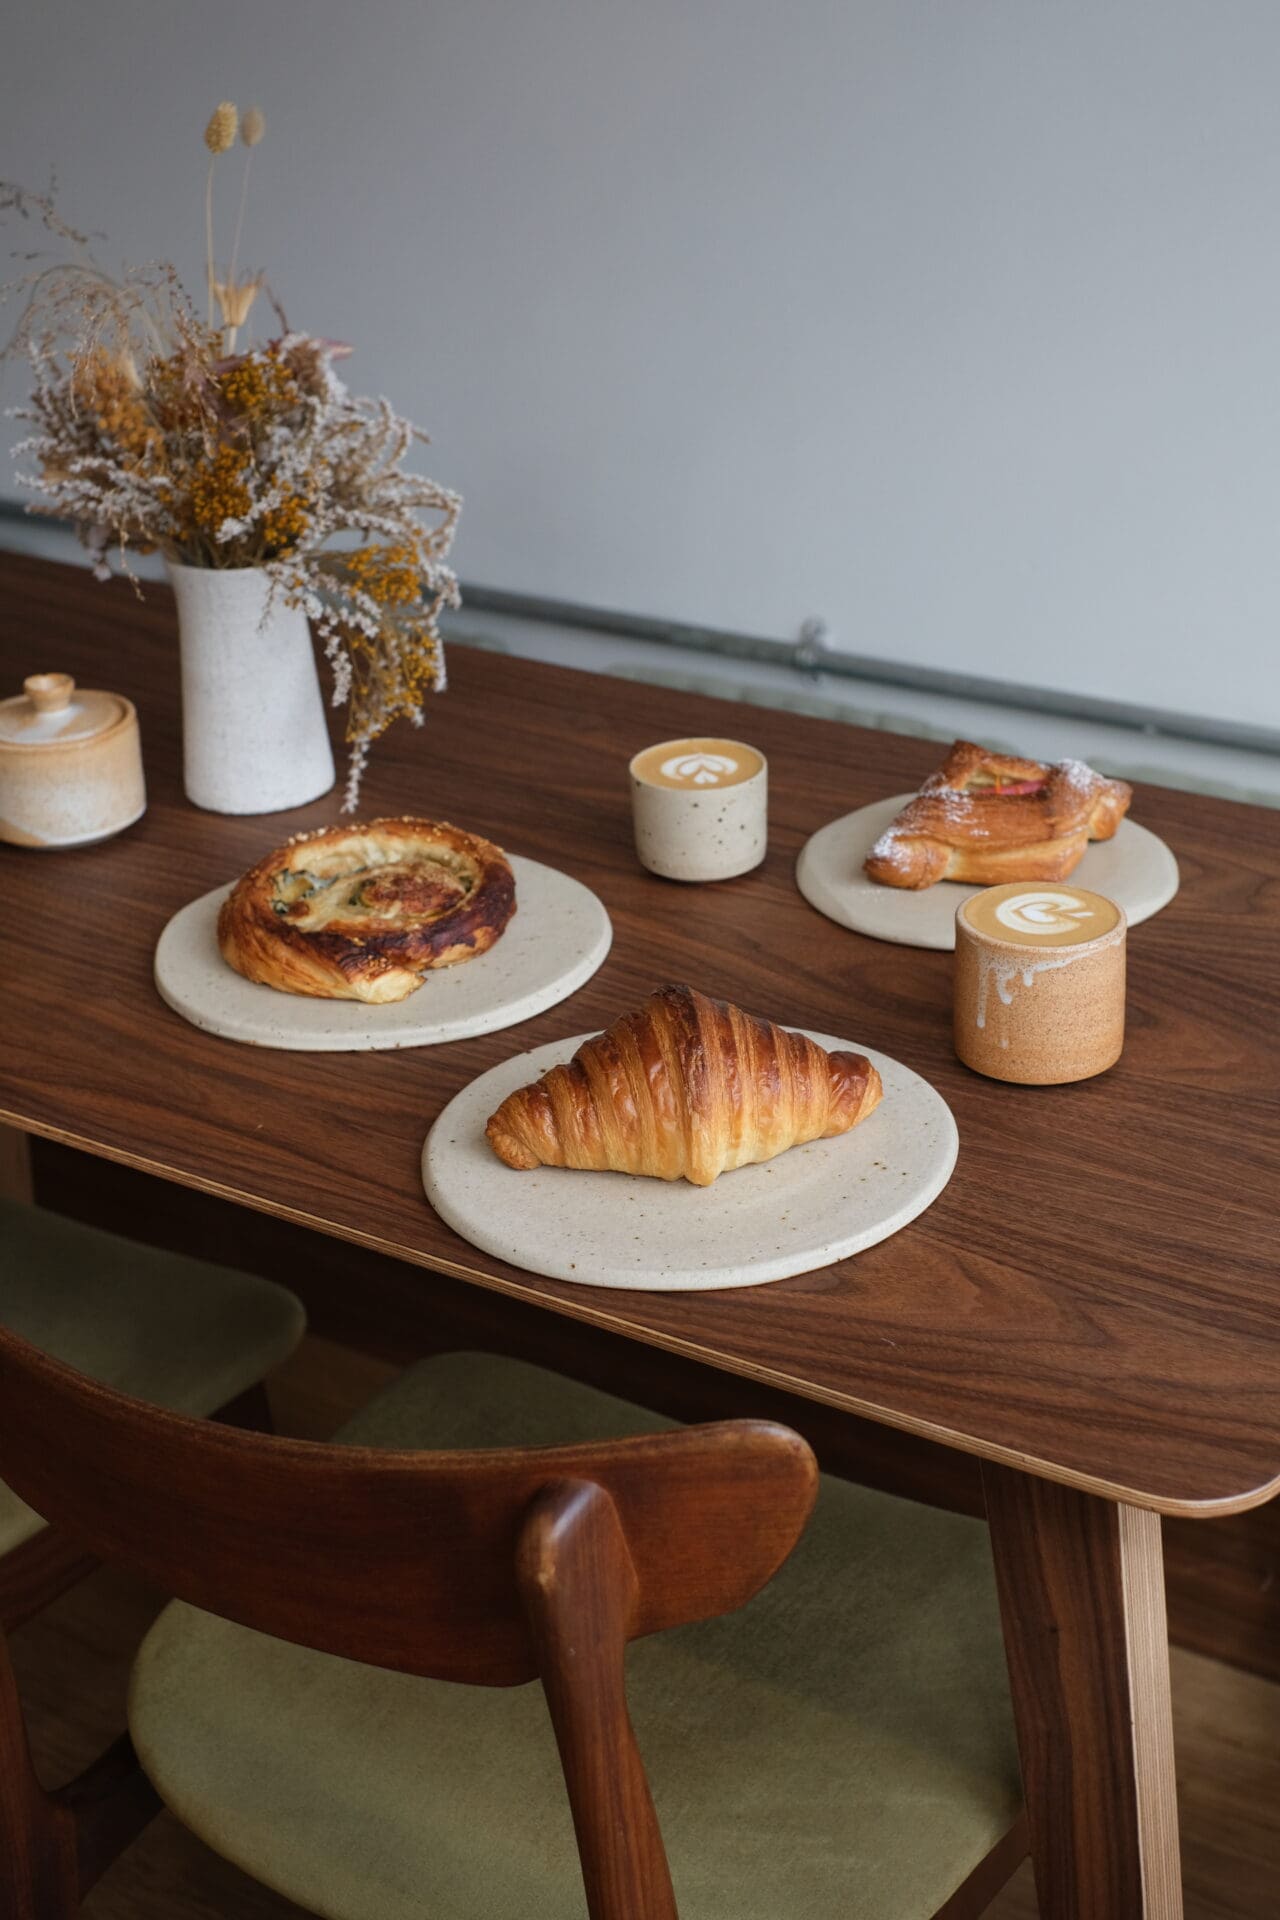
(150,431)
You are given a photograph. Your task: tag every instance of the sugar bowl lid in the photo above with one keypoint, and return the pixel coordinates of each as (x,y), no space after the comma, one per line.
(52,711)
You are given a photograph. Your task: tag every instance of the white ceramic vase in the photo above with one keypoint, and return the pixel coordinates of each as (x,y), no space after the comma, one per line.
(254,738)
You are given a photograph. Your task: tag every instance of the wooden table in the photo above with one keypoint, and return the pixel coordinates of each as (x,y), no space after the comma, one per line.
(1090,1307)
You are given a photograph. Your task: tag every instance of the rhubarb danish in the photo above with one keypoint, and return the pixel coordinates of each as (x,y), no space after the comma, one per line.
(363,912)
(989,817)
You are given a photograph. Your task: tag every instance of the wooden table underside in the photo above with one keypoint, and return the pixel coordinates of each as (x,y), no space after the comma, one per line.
(1094,1296)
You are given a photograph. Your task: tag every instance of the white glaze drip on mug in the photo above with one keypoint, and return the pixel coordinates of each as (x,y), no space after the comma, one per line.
(1005,972)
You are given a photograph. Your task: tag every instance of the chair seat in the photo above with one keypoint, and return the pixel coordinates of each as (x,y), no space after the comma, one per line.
(841,1747)
(177,1332)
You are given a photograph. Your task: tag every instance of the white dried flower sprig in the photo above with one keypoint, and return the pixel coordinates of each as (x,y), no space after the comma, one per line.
(232,296)
(235,297)
(219,137)
(220,134)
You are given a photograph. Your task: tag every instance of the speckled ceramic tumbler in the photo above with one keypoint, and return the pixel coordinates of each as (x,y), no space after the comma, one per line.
(700,808)
(1039,983)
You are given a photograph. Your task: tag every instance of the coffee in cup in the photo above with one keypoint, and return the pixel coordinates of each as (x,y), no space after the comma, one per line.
(700,807)
(1039,982)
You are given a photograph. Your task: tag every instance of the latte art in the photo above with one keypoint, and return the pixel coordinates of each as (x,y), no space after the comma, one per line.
(1019,915)
(697,765)
(1043,912)
(699,769)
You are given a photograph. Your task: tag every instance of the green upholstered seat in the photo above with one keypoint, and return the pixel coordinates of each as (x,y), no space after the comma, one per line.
(841,1747)
(178,1332)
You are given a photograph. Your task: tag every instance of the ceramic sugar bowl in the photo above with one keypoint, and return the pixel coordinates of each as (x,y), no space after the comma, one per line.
(70,764)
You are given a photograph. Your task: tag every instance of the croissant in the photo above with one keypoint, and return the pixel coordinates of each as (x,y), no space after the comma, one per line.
(686,1087)
(987,817)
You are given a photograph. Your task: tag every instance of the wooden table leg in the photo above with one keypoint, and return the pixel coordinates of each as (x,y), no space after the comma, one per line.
(1082,1603)
(15,1163)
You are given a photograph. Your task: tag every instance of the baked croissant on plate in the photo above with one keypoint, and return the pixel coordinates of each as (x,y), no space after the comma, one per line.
(987,817)
(688,1088)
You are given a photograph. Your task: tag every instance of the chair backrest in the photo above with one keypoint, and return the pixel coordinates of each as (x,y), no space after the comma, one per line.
(399,1559)
(489,1567)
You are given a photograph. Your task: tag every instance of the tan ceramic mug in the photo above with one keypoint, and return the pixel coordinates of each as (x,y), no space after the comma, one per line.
(700,807)
(1039,982)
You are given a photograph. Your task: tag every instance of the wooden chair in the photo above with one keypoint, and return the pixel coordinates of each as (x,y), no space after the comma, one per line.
(179,1332)
(841,1745)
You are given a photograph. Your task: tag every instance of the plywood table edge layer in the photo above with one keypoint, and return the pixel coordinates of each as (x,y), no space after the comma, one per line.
(600,1316)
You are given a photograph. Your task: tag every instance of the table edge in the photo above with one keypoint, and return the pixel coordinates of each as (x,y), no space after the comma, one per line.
(613,1322)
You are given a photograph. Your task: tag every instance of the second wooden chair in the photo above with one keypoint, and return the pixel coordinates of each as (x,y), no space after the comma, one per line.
(840,1746)
(181,1333)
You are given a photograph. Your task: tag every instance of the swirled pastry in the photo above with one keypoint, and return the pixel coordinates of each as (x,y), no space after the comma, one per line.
(988,817)
(687,1087)
(362,913)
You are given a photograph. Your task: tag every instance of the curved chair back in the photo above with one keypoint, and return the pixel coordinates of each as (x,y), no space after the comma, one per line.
(489,1567)
(400,1559)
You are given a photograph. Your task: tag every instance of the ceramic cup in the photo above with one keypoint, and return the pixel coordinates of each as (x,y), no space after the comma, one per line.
(700,808)
(1039,982)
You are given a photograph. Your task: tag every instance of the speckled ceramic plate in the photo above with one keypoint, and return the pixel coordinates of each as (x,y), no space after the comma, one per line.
(804,1209)
(558,938)
(1135,869)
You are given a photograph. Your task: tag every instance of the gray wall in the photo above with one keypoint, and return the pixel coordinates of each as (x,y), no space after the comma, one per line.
(954,321)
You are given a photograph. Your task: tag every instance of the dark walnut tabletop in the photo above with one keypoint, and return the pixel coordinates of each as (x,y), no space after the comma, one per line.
(1094,1297)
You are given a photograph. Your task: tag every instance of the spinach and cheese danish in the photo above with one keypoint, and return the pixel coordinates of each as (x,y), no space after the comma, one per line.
(363,912)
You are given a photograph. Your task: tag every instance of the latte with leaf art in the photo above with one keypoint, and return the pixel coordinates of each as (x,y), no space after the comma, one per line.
(697,763)
(1025,916)
(700,807)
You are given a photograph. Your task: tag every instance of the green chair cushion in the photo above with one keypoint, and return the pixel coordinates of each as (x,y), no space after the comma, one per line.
(841,1747)
(178,1332)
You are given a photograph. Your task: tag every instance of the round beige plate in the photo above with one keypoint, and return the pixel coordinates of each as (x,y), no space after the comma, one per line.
(557,939)
(804,1209)
(1135,869)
